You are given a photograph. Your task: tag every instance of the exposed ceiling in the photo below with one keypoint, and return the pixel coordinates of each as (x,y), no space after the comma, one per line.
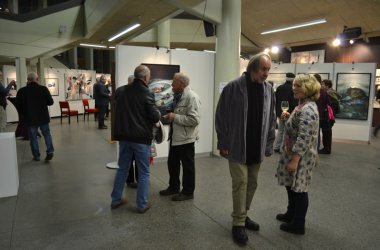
(256,17)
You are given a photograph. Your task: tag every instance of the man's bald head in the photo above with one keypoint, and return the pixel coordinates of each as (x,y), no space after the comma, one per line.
(142,72)
(32,77)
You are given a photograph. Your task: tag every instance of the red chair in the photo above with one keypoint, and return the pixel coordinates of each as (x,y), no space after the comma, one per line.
(88,110)
(65,111)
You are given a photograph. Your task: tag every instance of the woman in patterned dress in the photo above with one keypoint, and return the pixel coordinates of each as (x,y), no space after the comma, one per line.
(300,152)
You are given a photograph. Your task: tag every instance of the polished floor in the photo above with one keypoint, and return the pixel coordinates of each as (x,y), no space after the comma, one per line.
(65,204)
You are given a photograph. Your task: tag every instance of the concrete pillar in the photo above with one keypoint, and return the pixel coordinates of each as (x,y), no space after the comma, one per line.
(41,70)
(13,6)
(44,4)
(21,72)
(89,58)
(163,34)
(73,57)
(227,56)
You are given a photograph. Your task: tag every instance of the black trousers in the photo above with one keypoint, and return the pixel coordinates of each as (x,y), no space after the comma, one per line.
(298,204)
(102,113)
(182,154)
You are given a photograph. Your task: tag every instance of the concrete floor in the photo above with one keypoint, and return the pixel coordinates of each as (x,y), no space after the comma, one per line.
(65,204)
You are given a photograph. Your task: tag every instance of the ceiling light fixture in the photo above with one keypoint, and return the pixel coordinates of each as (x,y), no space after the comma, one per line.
(336,42)
(92,45)
(295,26)
(111,47)
(274,49)
(209,51)
(134,26)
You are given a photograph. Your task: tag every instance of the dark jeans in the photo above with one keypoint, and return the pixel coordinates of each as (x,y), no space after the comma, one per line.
(182,154)
(298,204)
(102,113)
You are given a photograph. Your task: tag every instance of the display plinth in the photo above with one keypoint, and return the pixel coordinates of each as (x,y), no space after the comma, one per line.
(8,165)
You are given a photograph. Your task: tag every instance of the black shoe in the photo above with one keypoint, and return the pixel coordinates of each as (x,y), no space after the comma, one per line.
(284,217)
(277,151)
(49,157)
(251,225)
(290,228)
(143,210)
(168,192)
(182,197)
(239,235)
(324,152)
(103,127)
(132,185)
(36,159)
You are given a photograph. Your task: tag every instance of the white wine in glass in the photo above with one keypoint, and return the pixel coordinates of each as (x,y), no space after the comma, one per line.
(284,106)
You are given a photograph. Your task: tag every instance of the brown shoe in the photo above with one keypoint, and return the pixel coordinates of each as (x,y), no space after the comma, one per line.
(143,210)
(122,202)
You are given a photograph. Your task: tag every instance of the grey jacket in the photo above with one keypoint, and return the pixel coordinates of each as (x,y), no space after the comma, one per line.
(231,120)
(187,118)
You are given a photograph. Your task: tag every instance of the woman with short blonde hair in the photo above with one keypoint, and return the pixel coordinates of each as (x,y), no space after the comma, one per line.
(300,152)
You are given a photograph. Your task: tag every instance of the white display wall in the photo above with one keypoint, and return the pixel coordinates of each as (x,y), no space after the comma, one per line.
(200,68)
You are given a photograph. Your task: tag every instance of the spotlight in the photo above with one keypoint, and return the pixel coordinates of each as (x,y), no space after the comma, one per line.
(274,50)
(336,42)
(352,41)
(266,51)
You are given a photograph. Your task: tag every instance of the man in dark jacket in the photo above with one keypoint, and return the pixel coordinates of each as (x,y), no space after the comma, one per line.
(284,92)
(136,113)
(32,101)
(101,96)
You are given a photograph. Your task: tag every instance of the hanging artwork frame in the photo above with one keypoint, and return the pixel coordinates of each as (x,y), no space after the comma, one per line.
(53,86)
(355,90)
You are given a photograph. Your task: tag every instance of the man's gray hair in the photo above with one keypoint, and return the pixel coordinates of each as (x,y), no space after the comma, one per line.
(254,62)
(183,78)
(141,71)
(32,77)
(102,77)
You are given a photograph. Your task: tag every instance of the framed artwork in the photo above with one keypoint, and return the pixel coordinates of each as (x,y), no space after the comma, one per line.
(161,78)
(9,79)
(354,89)
(314,56)
(276,79)
(52,85)
(78,86)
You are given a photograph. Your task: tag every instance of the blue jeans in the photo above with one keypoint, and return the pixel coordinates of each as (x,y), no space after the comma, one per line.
(142,154)
(34,141)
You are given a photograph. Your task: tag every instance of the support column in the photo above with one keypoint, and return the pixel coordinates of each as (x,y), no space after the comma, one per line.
(89,58)
(21,72)
(13,6)
(227,50)
(163,34)
(41,70)
(73,57)
(44,4)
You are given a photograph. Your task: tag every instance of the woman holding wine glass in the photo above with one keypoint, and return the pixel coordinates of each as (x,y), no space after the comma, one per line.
(300,152)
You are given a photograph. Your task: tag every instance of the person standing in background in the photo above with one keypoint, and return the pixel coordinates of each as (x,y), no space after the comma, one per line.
(3,101)
(32,103)
(284,92)
(101,97)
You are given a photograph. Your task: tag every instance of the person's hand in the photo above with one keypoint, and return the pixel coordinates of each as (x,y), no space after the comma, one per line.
(224,152)
(169,116)
(292,166)
(285,115)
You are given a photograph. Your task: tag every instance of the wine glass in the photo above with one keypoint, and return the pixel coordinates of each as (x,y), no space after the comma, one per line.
(284,106)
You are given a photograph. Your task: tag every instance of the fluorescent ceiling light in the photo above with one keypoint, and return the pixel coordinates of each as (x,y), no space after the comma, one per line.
(180,49)
(111,47)
(318,21)
(209,51)
(124,32)
(92,45)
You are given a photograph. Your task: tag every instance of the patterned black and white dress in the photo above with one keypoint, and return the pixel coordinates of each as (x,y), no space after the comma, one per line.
(301,137)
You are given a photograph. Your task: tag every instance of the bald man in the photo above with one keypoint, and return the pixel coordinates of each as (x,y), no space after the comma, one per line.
(32,103)
(135,115)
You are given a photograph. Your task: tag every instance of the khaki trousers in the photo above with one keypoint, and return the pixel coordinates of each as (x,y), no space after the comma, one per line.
(3,118)
(244,184)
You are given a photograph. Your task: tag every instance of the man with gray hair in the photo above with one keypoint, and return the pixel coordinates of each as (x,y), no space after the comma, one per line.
(184,119)
(245,122)
(101,96)
(31,102)
(135,115)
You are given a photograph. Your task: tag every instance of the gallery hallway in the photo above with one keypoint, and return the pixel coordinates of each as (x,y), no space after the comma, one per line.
(65,204)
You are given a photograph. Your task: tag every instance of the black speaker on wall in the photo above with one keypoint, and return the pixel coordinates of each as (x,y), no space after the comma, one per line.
(209,28)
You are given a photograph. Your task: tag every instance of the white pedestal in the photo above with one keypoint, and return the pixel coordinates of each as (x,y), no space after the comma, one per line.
(8,165)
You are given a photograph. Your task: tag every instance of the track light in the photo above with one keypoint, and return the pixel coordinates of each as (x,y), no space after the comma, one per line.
(295,26)
(134,26)
(336,42)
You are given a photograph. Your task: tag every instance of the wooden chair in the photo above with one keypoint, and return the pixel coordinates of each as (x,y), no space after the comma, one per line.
(65,111)
(88,110)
